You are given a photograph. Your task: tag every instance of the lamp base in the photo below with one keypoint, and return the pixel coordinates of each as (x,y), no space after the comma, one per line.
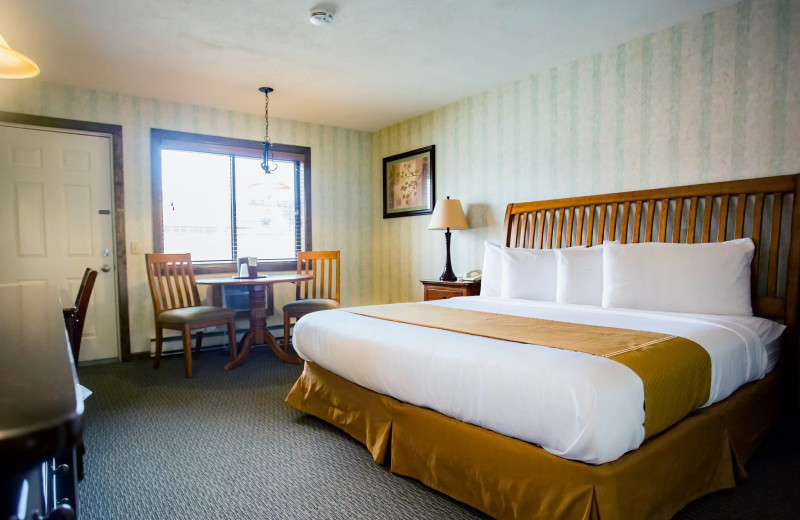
(448,275)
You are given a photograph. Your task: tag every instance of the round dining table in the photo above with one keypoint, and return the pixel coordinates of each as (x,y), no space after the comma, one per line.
(258,333)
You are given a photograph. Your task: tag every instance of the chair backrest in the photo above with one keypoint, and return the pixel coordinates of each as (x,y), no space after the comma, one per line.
(172,282)
(324,265)
(75,318)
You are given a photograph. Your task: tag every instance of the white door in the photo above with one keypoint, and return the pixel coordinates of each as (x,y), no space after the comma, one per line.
(56,219)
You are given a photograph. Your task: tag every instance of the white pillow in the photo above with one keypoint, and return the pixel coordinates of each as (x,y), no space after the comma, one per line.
(698,278)
(492,278)
(529,274)
(579,275)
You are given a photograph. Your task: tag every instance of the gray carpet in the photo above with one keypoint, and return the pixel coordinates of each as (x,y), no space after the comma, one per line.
(223,445)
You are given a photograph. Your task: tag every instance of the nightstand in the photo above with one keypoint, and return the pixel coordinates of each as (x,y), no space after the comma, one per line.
(438,290)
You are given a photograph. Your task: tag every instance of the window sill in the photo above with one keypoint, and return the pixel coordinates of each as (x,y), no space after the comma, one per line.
(231,267)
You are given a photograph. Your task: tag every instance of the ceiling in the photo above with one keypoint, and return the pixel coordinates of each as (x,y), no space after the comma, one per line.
(379,63)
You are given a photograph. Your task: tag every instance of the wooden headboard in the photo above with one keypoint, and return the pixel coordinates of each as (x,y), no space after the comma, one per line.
(763,209)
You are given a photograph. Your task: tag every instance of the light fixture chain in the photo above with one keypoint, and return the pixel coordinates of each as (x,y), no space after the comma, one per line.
(266,117)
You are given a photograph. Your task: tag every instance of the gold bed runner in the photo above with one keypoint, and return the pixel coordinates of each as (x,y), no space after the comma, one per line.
(675,372)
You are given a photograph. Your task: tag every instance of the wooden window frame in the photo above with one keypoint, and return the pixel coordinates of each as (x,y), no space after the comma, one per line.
(211,143)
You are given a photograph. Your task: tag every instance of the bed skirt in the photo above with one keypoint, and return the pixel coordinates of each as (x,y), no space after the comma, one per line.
(512,479)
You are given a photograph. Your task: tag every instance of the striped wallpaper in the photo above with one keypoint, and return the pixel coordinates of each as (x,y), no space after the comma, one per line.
(342,208)
(715,98)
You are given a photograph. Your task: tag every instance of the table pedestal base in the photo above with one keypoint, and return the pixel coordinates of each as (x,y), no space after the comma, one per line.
(258,333)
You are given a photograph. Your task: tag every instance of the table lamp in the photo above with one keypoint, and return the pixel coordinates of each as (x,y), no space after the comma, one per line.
(448,214)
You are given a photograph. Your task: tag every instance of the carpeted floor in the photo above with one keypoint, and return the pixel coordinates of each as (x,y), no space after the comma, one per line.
(223,445)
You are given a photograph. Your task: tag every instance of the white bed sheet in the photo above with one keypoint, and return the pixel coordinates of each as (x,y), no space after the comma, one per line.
(575,405)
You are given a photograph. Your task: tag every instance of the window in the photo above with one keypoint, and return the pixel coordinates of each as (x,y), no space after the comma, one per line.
(212,199)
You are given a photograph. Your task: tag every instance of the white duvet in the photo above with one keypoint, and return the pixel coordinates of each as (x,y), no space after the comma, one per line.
(574,405)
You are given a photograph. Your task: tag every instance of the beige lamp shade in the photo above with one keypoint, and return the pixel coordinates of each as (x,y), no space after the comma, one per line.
(15,65)
(448,213)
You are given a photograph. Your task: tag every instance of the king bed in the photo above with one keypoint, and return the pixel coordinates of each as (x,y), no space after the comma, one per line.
(582,407)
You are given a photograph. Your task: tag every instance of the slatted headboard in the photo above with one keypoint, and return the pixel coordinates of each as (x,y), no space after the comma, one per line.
(763,209)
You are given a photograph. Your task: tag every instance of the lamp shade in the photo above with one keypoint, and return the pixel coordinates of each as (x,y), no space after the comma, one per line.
(448,213)
(15,65)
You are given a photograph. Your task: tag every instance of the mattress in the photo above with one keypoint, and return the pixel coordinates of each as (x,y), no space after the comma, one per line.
(575,405)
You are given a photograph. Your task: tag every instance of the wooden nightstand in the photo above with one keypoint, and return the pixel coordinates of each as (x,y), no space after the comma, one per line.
(438,290)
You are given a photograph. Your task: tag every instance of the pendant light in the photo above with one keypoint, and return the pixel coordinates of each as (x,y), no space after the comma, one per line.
(267,162)
(14,64)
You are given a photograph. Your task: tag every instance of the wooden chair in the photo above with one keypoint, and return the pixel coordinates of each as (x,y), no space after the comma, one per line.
(176,305)
(75,316)
(321,293)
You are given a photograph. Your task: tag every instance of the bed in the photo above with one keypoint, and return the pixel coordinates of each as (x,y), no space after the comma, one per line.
(441,406)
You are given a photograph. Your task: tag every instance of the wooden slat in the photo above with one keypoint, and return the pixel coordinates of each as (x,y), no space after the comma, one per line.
(758,213)
(648,225)
(318,270)
(551,221)
(523,229)
(741,205)
(321,280)
(662,226)
(514,230)
(623,230)
(329,294)
(164,294)
(541,215)
(306,283)
(612,227)
(531,228)
(177,269)
(692,221)
(590,225)
(559,223)
(709,208)
(185,280)
(774,245)
(601,226)
(579,231)
(569,226)
(723,218)
(676,223)
(183,287)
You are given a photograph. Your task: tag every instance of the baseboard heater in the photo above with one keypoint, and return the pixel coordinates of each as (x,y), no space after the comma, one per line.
(213,340)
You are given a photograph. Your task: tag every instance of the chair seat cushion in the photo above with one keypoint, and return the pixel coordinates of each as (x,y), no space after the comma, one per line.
(311,305)
(196,314)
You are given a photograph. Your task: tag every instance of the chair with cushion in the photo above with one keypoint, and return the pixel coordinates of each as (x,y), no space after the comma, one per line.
(319,294)
(177,306)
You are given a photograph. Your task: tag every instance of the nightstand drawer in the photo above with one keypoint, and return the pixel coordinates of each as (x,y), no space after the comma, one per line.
(441,293)
(438,290)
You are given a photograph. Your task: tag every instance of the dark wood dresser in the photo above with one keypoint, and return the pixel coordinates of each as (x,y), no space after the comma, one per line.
(41,420)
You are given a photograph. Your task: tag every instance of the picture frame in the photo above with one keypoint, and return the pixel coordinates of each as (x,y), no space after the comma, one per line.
(409,186)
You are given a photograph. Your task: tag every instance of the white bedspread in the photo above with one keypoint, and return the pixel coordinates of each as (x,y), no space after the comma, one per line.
(573,404)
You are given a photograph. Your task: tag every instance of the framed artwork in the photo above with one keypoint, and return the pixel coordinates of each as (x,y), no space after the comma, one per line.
(408,183)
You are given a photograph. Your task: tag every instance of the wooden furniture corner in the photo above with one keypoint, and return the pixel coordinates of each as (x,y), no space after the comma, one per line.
(439,290)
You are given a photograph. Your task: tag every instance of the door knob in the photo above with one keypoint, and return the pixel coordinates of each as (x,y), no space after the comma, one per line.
(106,268)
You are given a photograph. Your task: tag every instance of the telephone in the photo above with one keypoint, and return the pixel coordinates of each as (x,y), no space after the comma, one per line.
(472,276)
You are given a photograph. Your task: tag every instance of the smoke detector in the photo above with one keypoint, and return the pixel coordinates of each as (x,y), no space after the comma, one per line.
(321,15)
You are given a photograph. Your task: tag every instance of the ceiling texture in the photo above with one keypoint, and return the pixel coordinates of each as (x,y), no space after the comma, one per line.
(377,64)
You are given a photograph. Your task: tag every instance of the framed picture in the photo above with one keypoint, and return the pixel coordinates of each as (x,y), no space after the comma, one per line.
(408,183)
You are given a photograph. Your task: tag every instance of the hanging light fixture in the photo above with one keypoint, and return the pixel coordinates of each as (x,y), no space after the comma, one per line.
(14,64)
(268,162)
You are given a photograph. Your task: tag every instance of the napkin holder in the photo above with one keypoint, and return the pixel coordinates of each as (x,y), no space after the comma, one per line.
(248,267)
